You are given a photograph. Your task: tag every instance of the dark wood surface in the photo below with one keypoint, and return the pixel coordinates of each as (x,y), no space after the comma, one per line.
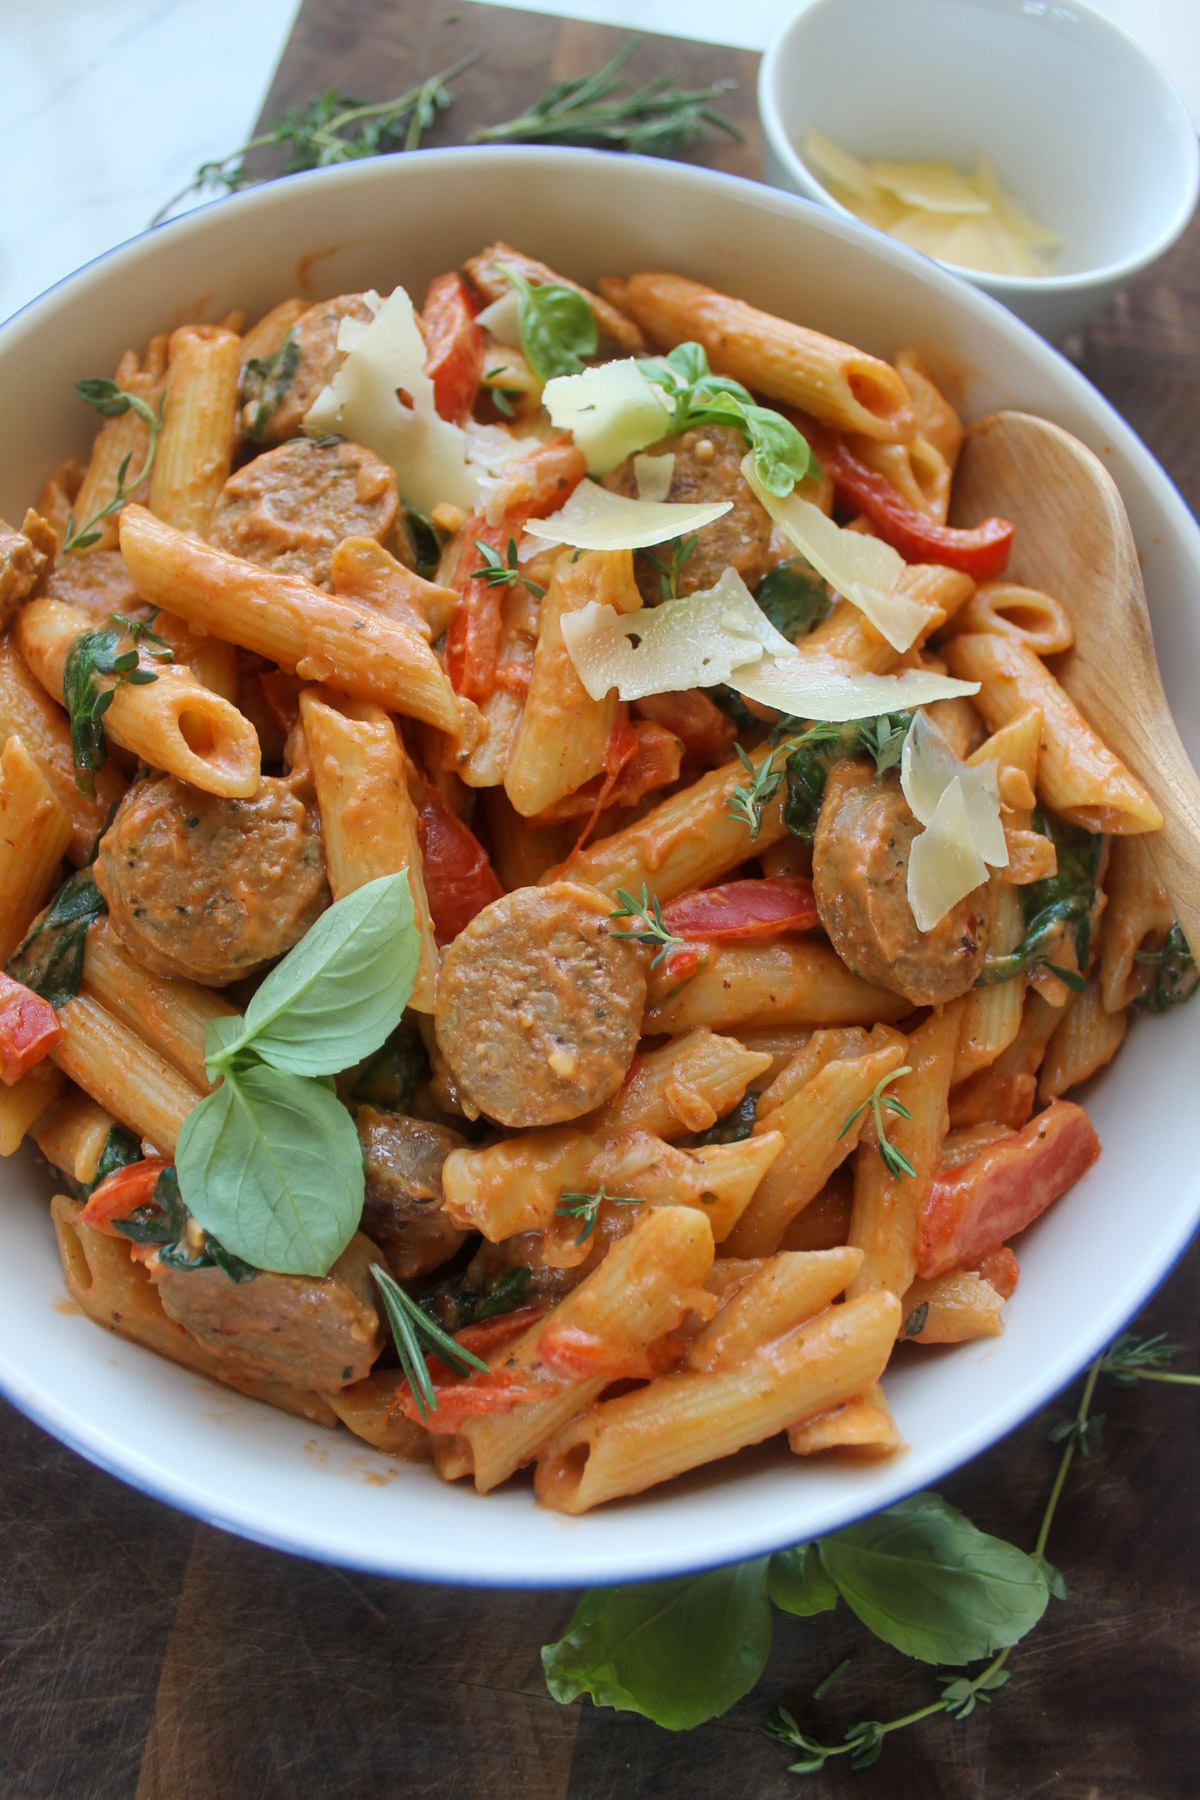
(145,1657)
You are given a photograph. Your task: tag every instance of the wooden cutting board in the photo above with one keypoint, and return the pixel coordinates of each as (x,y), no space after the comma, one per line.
(145,1657)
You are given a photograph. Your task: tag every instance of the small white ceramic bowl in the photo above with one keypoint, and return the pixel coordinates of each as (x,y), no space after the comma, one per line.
(1082,126)
(1085,1267)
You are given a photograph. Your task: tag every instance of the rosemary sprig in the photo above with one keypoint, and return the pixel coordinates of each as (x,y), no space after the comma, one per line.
(413,1332)
(331,128)
(653,931)
(659,119)
(895,1161)
(587,1206)
(749,800)
(497,572)
(111,401)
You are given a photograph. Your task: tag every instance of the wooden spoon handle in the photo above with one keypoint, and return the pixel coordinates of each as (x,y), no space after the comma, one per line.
(1176,787)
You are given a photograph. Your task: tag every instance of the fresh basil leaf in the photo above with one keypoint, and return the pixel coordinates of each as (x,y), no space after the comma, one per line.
(794,598)
(336,996)
(679,1652)
(270,1165)
(781,456)
(557,326)
(49,958)
(924,1579)
(798,1583)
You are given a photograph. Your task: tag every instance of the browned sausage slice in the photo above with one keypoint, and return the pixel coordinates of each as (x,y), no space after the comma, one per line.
(860,878)
(275,402)
(311,1332)
(211,888)
(708,467)
(539,1006)
(404,1211)
(290,508)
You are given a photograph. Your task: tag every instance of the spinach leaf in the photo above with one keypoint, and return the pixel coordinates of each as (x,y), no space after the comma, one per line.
(1058,913)
(270,1165)
(389,1079)
(336,996)
(924,1579)
(121,1148)
(557,326)
(797,1581)
(96,653)
(679,1652)
(49,959)
(266,379)
(1176,977)
(462,1302)
(698,397)
(735,1127)
(816,751)
(794,598)
(164,1221)
(427,542)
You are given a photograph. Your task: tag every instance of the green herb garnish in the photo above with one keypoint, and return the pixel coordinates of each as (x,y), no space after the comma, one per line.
(895,1161)
(750,799)
(698,397)
(557,325)
(111,401)
(794,598)
(1058,913)
(268,378)
(587,1208)
(460,1302)
(659,119)
(49,958)
(1176,976)
(163,1221)
(121,1148)
(670,567)
(98,653)
(735,1127)
(652,932)
(497,571)
(413,1331)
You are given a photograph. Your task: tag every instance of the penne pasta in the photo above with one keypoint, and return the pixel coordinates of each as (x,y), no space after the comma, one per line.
(1086,1038)
(1136,919)
(34,834)
(27,712)
(1036,620)
(23,1102)
(796,982)
(862,1427)
(199,434)
(170,1014)
(122,1073)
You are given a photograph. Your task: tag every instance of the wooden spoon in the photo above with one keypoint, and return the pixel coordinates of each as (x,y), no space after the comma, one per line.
(1073,541)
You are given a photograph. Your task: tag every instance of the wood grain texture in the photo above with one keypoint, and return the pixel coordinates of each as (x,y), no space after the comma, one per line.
(145,1658)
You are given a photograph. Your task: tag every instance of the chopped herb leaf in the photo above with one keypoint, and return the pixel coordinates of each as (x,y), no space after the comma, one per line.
(49,958)
(794,598)
(266,379)
(166,1222)
(1176,977)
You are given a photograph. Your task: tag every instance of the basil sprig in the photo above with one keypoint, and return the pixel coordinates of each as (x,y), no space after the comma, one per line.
(698,397)
(270,1163)
(919,1575)
(557,326)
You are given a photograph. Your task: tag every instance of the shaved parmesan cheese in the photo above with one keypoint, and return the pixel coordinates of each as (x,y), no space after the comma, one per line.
(653,475)
(959,806)
(943,863)
(932,186)
(837,165)
(928,766)
(828,687)
(433,460)
(611,411)
(694,642)
(595,519)
(865,569)
(503,319)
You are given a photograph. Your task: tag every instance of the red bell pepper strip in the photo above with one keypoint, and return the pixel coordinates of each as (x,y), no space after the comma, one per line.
(973,1208)
(459,879)
(454,346)
(744,909)
(981,552)
(29,1029)
(121,1193)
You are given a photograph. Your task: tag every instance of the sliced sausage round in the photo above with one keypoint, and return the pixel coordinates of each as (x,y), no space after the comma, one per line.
(404,1211)
(708,467)
(277,395)
(860,880)
(290,508)
(210,888)
(539,1006)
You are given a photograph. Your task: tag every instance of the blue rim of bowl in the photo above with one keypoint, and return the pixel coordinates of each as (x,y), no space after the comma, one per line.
(260,1525)
(1105,274)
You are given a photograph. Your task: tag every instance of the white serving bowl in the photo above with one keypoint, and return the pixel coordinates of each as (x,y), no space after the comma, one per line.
(1086,1266)
(1081,124)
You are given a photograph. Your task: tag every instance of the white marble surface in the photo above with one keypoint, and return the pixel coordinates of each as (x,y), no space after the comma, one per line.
(114,103)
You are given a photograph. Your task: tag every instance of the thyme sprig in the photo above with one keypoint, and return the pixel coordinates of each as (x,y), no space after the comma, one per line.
(587,1207)
(653,931)
(99,653)
(498,571)
(658,119)
(111,401)
(669,567)
(895,1161)
(331,128)
(414,1332)
(750,799)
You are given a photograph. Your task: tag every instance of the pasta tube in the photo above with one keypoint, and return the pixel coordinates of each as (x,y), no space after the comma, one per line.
(801,982)
(34,834)
(122,1073)
(27,712)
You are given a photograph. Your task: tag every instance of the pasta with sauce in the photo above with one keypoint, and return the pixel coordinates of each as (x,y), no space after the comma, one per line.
(767,893)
